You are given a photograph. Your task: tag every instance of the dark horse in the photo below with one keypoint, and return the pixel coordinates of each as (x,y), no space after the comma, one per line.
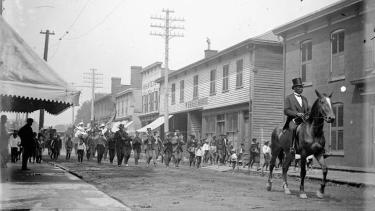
(310,139)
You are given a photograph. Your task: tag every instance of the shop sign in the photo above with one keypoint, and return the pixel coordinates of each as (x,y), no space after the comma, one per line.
(196,103)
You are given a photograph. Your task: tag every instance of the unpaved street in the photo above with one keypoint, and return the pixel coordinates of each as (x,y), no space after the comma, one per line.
(143,188)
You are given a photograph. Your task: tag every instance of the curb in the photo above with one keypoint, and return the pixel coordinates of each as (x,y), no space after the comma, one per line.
(66,169)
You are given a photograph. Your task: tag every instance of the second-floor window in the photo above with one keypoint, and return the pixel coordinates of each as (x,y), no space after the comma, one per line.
(156,98)
(195,87)
(239,72)
(173,94)
(182,90)
(337,128)
(306,57)
(213,82)
(225,78)
(151,102)
(337,56)
(146,103)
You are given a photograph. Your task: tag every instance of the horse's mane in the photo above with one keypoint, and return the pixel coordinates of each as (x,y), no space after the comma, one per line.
(315,117)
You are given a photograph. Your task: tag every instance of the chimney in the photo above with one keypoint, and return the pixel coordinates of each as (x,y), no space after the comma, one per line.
(136,76)
(209,53)
(115,84)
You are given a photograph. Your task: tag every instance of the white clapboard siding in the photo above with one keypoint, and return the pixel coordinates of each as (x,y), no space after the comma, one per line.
(268,92)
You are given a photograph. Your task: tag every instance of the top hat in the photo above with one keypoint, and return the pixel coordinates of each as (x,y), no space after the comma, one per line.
(297,82)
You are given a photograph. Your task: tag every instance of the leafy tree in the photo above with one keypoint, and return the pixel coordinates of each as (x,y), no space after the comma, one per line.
(84,113)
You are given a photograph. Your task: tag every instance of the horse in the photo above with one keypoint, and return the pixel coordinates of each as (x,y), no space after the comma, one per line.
(311,141)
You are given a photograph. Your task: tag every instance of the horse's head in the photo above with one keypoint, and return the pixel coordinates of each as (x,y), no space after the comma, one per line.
(325,107)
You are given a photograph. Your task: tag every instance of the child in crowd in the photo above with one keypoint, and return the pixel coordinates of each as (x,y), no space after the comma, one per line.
(80,149)
(267,155)
(199,154)
(233,159)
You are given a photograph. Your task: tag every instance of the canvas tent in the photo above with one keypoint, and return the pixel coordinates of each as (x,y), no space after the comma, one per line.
(27,83)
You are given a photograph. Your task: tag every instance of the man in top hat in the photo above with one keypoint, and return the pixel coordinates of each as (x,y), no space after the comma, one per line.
(120,138)
(26,134)
(296,107)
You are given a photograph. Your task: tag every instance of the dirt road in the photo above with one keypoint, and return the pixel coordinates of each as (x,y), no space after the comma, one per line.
(158,188)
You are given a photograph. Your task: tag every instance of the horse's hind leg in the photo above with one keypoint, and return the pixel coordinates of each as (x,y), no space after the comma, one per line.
(323,165)
(302,193)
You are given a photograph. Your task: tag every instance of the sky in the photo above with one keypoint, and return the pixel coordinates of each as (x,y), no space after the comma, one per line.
(112,35)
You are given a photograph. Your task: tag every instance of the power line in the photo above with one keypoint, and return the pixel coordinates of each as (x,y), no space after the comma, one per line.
(99,23)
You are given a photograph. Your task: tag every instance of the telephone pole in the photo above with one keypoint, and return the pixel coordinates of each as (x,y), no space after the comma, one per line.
(94,79)
(46,39)
(167,34)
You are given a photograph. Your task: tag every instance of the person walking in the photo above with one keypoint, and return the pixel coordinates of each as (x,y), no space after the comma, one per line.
(81,148)
(150,146)
(39,148)
(137,143)
(267,155)
(254,153)
(68,147)
(120,136)
(100,146)
(27,137)
(191,145)
(199,153)
(14,142)
(111,146)
(127,148)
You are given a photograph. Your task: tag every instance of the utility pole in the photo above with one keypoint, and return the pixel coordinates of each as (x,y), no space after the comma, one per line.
(94,79)
(1,7)
(167,34)
(46,39)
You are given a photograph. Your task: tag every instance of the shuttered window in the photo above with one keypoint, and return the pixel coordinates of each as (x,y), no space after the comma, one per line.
(337,128)
(306,58)
(146,103)
(173,94)
(225,78)
(232,120)
(337,56)
(195,87)
(156,98)
(220,121)
(182,90)
(239,72)
(213,82)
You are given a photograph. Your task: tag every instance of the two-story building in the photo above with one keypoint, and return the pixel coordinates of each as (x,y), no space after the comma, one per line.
(150,92)
(332,50)
(129,101)
(235,92)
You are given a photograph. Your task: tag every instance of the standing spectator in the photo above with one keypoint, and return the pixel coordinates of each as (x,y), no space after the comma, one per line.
(213,153)
(254,153)
(191,145)
(68,147)
(26,134)
(199,154)
(206,149)
(100,146)
(241,152)
(81,148)
(137,143)
(14,141)
(111,146)
(4,138)
(59,145)
(267,155)
(39,148)
(33,152)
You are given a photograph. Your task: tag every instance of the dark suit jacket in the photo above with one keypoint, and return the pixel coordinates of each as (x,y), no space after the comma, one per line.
(27,136)
(292,107)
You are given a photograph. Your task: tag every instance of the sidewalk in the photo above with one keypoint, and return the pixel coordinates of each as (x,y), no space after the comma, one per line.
(358,179)
(46,187)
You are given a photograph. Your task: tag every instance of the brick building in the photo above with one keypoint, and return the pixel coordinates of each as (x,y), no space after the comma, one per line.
(332,50)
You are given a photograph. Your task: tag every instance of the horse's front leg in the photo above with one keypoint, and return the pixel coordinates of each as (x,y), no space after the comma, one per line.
(272,165)
(322,162)
(286,164)
(302,193)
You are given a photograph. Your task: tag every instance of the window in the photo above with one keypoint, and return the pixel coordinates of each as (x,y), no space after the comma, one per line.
(213,82)
(225,77)
(146,103)
(182,90)
(152,102)
(156,98)
(220,120)
(239,68)
(195,87)
(337,128)
(337,56)
(232,119)
(173,94)
(306,57)
(210,124)
(122,107)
